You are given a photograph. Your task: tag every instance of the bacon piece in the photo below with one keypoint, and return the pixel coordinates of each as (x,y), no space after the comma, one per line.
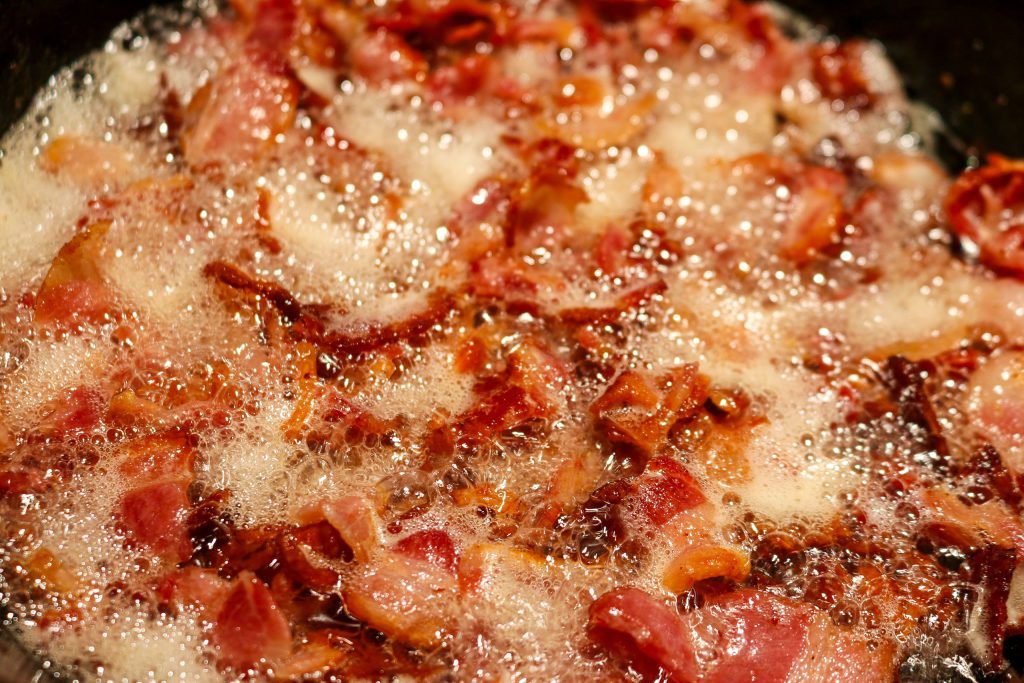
(252,99)
(407,598)
(299,549)
(986,206)
(629,301)
(838,69)
(996,402)
(354,520)
(539,372)
(167,458)
(73,292)
(644,632)
(641,411)
(746,635)
(372,335)
(18,482)
(249,628)
(46,567)
(381,57)
(813,225)
(705,562)
(78,411)
(499,412)
(584,121)
(155,511)
(431,545)
(451,23)
(665,490)
(156,516)
(90,164)
(196,587)
(236,279)
(469,75)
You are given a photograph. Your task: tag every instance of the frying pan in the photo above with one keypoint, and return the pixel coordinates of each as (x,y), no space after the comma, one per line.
(966,60)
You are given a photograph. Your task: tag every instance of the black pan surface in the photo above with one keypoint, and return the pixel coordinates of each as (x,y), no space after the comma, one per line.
(965,59)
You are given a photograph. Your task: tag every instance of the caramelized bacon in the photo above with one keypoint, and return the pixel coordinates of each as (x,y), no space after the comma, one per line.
(639,410)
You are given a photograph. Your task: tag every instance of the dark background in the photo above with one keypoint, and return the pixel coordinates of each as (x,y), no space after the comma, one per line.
(963,57)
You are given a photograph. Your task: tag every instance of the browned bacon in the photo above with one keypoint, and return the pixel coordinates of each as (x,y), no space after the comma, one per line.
(986,206)
(640,410)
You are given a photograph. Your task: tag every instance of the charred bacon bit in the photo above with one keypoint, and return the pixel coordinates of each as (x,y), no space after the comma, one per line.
(236,279)
(645,633)
(373,335)
(407,598)
(74,292)
(639,410)
(986,206)
(249,628)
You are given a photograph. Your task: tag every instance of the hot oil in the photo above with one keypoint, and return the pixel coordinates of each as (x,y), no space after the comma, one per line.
(785,337)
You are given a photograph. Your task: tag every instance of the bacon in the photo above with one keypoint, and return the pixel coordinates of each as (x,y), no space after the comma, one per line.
(236,279)
(195,587)
(746,635)
(986,206)
(705,562)
(156,516)
(638,410)
(73,292)
(354,520)
(78,411)
(431,545)
(997,399)
(249,628)
(373,335)
(452,23)
(155,511)
(629,301)
(453,83)
(539,372)
(645,632)
(838,69)
(407,598)
(167,458)
(499,412)
(299,550)
(591,127)
(251,100)
(88,163)
(665,489)
(382,57)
